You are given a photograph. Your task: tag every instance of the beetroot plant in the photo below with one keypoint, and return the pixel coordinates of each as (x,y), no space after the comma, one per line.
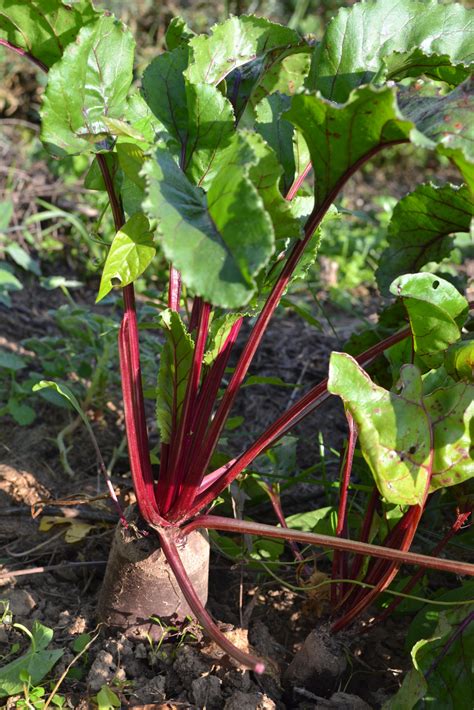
(225,162)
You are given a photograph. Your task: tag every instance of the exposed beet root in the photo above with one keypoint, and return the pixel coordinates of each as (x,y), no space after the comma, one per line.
(139,584)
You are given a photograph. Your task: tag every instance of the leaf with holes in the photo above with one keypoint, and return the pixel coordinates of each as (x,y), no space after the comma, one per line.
(175,366)
(412,443)
(436,310)
(90,82)
(421,229)
(131,252)
(373,42)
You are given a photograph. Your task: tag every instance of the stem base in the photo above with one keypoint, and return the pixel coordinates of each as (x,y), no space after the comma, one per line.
(139,583)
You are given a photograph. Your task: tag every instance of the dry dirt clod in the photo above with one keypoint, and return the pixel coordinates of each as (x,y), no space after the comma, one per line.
(21,602)
(102,671)
(207,692)
(318,664)
(249,701)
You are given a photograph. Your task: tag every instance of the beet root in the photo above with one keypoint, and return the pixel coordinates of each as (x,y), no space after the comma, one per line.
(139,583)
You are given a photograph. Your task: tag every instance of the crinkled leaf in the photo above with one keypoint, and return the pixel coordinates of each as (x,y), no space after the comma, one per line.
(448,666)
(265,175)
(379,40)
(216,244)
(178,33)
(198,117)
(90,81)
(340,138)
(459,360)
(421,229)
(218,333)
(175,366)
(407,437)
(36,662)
(233,43)
(436,310)
(44,28)
(443,122)
(130,253)
(283,69)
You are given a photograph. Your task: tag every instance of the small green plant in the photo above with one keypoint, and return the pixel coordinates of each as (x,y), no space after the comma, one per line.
(205,168)
(24,674)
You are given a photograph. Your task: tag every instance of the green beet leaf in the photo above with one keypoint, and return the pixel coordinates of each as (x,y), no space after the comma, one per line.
(436,310)
(444,123)
(177,34)
(340,138)
(282,70)
(198,117)
(218,241)
(130,253)
(412,690)
(90,82)
(409,441)
(379,40)
(459,360)
(265,176)
(44,28)
(421,229)
(281,136)
(175,366)
(34,664)
(219,330)
(233,43)
(445,660)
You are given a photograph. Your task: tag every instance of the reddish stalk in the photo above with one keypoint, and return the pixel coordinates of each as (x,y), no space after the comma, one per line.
(340,562)
(170,550)
(313,222)
(174,289)
(297,183)
(365,532)
(182,442)
(282,425)
(455,527)
(216,522)
(129,352)
(276,505)
(26,55)
(202,412)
